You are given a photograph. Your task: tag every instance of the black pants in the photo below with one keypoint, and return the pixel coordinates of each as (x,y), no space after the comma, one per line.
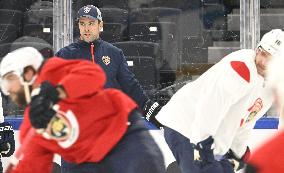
(183,152)
(136,152)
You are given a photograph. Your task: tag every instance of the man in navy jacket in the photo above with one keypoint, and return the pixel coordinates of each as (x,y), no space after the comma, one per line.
(110,58)
(90,47)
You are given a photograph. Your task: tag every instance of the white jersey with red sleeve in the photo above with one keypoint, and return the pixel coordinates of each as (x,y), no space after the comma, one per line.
(224,102)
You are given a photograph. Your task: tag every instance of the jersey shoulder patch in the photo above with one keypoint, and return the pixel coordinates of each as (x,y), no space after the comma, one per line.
(242,69)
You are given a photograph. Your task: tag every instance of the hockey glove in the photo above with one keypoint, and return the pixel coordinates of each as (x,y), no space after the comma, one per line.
(151,109)
(237,163)
(7,141)
(41,111)
(204,151)
(206,161)
(49,91)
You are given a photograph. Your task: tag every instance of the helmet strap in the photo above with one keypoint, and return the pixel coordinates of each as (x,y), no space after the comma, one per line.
(27,88)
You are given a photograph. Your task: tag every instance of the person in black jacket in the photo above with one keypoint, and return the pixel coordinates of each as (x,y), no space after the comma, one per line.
(92,48)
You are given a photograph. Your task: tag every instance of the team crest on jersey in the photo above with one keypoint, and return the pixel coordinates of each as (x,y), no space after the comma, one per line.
(59,128)
(253,110)
(87,9)
(106,60)
(63,128)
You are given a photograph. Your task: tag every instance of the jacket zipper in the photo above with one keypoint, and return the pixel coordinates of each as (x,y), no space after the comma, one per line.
(92,52)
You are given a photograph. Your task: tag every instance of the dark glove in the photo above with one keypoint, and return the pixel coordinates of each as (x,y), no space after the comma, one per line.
(206,161)
(7,141)
(237,163)
(41,111)
(49,91)
(205,151)
(151,109)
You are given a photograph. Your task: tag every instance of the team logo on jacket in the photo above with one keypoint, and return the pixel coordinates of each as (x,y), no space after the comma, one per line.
(63,128)
(59,128)
(106,60)
(253,110)
(87,9)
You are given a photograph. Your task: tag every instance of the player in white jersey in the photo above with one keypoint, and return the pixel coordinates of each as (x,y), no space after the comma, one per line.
(269,156)
(215,114)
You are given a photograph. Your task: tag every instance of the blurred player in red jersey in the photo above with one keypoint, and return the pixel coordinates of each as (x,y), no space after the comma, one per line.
(98,129)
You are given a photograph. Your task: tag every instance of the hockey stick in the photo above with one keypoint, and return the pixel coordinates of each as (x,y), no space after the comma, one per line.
(19,152)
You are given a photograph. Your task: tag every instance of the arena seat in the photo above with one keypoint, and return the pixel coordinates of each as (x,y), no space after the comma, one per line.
(144,69)
(8,16)
(114,15)
(8,33)
(164,33)
(114,4)
(156,14)
(180,4)
(112,32)
(194,50)
(38,16)
(4,49)
(139,48)
(43,31)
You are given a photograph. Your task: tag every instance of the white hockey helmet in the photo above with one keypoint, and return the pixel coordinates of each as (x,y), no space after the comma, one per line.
(17,60)
(272,42)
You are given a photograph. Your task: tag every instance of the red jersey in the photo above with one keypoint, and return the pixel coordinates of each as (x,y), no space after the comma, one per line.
(98,116)
(269,158)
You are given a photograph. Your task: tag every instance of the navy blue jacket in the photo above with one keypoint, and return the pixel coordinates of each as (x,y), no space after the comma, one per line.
(112,60)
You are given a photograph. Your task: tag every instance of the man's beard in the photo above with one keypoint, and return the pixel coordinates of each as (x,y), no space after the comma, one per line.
(20,98)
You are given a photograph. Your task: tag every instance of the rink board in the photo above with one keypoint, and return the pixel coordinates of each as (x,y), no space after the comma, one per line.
(263,130)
